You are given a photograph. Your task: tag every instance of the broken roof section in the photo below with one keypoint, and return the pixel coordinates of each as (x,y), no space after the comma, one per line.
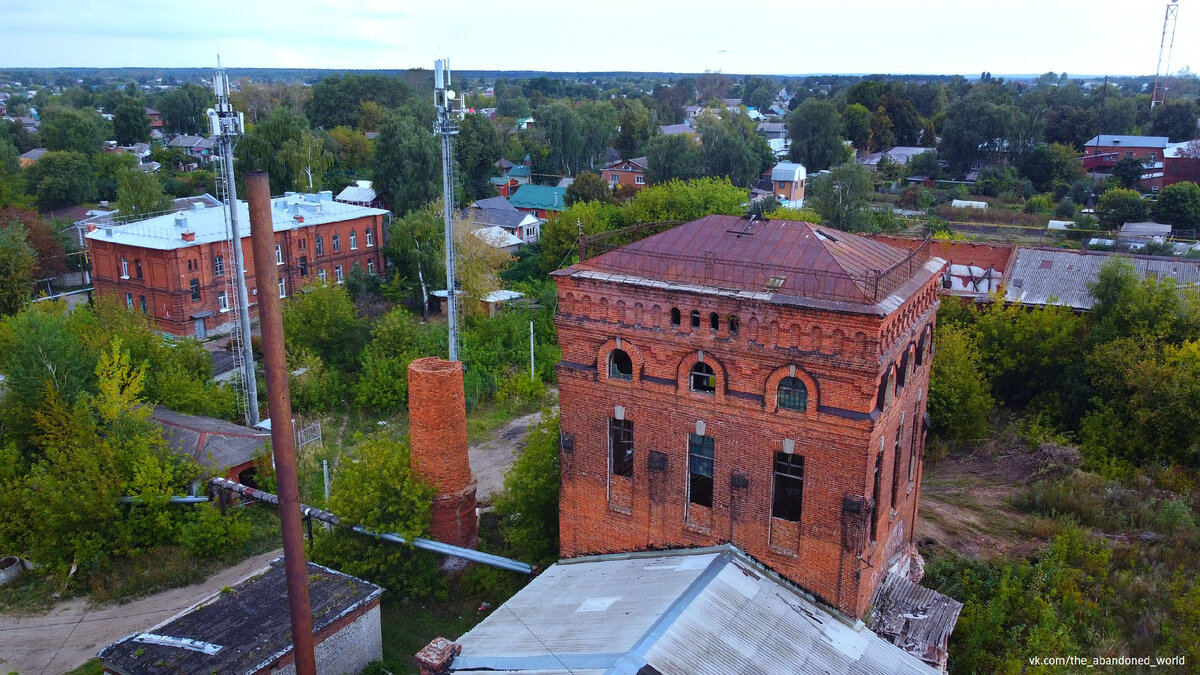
(781,261)
(217,445)
(916,619)
(242,629)
(697,611)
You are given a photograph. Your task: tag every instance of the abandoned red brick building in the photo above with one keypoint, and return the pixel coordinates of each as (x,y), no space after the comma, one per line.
(761,383)
(178,268)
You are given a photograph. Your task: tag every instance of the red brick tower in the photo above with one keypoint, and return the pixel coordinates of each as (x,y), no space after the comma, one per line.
(755,382)
(438,441)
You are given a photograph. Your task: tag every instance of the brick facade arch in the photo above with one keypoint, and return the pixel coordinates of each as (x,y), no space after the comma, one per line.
(635,355)
(720,376)
(771,395)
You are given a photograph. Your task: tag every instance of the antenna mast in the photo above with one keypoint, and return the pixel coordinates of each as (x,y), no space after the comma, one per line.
(446,127)
(226,126)
(1165,45)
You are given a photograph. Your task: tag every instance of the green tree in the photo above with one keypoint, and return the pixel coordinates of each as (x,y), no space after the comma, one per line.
(925,164)
(677,200)
(407,164)
(1118,206)
(815,129)
(730,149)
(107,169)
(376,488)
(62,179)
(1029,353)
(259,149)
(978,126)
(130,122)
(74,131)
(184,108)
(477,148)
(17,263)
(1176,120)
(416,251)
(589,187)
(324,320)
(560,234)
(1179,205)
(675,157)
(959,395)
(1052,168)
(841,197)
(1128,171)
(336,100)
(307,161)
(1128,306)
(856,120)
(139,192)
(882,137)
(636,128)
(396,339)
(354,149)
(528,507)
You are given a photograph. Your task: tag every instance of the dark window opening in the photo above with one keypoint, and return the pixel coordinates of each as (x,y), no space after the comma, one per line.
(703,379)
(195,285)
(620,447)
(788,495)
(875,496)
(733,325)
(896,466)
(143,300)
(700,469)
(337,243)
(793,395)
(675,316)
(320,245)
(303,266)
(138,264)
(695,319)
(620,366)
(714,321)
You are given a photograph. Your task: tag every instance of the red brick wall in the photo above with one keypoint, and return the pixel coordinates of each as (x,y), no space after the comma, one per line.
(983,256)
(166,276)
(623,177)
(840,356)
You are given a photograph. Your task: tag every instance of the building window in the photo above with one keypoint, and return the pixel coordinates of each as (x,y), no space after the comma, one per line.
(793,395)
(219,266)
(302,244)
(703,379)
(620,366)
(714,321)
(370,238)
(142,300)
(137,264)
(321,274)
(337,243)
(357,266)
(734,324)
(353,240)
(695,319)
(675,317)
(788,495)
(223,301)
(337,273)
(700,469)
(282,288)
(371,267)
(278,254)
(195,284)
(303,266)
(620,447)
(129,300)
(875,492)
(124,268)
(320,245)
(639,179)
(896,464)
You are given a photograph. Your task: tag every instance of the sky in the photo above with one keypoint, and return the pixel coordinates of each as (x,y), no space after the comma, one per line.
(1080,37)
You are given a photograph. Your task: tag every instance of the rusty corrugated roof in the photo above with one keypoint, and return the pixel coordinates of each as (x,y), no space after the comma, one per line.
(782,257)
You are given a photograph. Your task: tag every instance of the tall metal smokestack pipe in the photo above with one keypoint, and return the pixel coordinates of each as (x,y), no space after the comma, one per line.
(279,405)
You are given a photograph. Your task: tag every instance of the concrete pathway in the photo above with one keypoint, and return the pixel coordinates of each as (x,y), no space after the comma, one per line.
(72,632)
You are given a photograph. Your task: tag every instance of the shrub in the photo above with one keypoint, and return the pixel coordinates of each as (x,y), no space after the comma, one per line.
(209,534)
(521,389)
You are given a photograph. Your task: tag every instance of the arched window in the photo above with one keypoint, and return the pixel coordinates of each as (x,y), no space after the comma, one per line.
(702,378)
(337,243)
(675,317)
(353,240)
(620,366)
(320,243)
(303,266)
(714,321)
(734,324)
(695,319)
(793,395)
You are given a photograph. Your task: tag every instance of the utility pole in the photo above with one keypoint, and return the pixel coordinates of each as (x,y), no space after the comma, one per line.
(226,126)
(446,127)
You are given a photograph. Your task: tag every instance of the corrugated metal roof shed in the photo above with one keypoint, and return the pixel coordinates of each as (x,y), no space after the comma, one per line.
(693,611)
(1060,277)
(214,444)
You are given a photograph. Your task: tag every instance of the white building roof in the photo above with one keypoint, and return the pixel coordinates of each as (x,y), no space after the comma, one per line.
(208,224)
(696,611)
(497,236)
(788,172)
(363,192)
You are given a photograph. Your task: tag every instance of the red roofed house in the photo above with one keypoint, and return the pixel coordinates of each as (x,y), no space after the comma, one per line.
(628,172)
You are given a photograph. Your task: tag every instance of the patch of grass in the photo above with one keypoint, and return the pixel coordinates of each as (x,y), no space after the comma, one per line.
(92,667)
(30,593)
(488,417)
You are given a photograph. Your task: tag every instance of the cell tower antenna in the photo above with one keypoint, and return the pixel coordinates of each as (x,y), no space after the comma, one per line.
(446,127)
(226,127)
(1165,46)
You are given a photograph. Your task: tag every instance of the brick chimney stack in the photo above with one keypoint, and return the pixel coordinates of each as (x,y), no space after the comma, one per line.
(438,440)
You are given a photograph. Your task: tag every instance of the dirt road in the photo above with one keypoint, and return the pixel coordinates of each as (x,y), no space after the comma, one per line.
(74,631)
(491,458)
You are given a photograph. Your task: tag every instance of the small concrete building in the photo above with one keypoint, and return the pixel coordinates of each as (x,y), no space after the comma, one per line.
(246,630)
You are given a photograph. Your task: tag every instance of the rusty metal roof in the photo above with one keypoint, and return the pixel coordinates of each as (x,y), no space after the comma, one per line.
(791,260)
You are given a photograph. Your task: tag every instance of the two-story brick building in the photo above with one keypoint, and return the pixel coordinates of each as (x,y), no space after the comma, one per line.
(178,268)
(761,383)
(630,173)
